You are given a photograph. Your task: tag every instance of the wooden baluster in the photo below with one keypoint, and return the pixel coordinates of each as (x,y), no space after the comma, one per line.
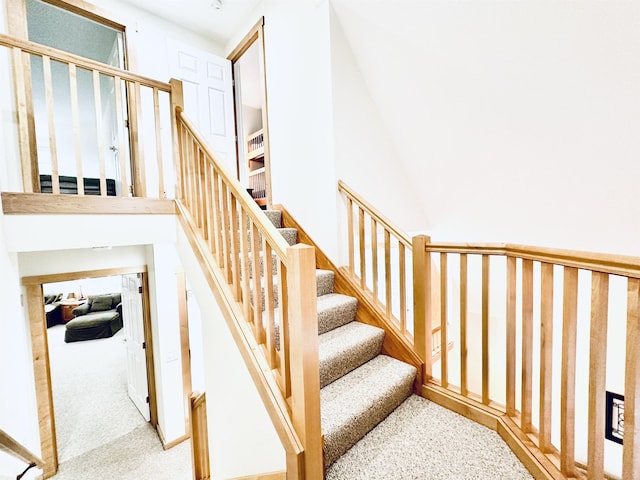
(464,275)
(305,381)
(269,305)
(256,244)
(374,258)
(546,356)
(485,329)
(402,273)
(351,237)
(387,272)
(511,337)
(597,373)
(527,345)
(176,100)
(123,148)
(226,233)
(197,187)
(97,99)
(422,322)
(361,240)
(26,141)
(207,205)
(631,447)
(53,145)
(246,271)
(75,123)
(135,123)
(158,132)
(235,250)
(218,217)
(285,337)
(444,364)
(568,375)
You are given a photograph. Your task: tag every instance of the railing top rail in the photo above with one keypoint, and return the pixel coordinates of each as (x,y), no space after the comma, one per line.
(380,218)
(61,56)
(273,237)
(624,265)
(16,449)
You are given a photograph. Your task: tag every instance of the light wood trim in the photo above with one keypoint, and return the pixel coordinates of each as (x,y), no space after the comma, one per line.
(597,373)
(265,476)
(135,137)
(463,405)
(42,377)
(123,153)
(527,346)
(285,349)
(444,304)
(402,273)
(199,436)
(275,404)
(510,360)
(464,276)
(185,354)
(177,101)
(34,203)
(235,247)
(422,337)
(51,124)
(485,330)
(384,221)
(568,374)
(305,382)
(546,356)
(75,121)
(246,41)
(387,273)
(37,49)
(65,277)
(631,447)
(17,450)
(269,305)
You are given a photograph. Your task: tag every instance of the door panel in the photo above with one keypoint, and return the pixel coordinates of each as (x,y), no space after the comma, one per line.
(208,97)
(133,318)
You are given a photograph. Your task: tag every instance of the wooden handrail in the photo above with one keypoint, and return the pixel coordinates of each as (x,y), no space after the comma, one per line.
(17,450)
(350,193)
(65,57)
(266,290)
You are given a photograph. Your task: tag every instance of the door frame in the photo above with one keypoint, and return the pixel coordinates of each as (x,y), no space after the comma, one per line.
(42,363)
(17,26)
(256,34)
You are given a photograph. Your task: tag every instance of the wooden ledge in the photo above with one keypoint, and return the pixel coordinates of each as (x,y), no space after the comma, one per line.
(47,203)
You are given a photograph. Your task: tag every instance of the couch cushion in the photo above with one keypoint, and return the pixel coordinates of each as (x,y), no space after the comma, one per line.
(92,320)
(101,303)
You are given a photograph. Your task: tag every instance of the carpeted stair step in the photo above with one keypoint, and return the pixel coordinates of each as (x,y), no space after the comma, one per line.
(324,283)
(346,348)
(275,217)
(290,235)
(274,264)
(335,310)
(355,403)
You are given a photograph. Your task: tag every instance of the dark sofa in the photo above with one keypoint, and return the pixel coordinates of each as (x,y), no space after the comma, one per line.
(52,309)
(99,317)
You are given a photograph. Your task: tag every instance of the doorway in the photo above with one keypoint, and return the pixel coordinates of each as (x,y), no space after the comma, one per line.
(42,361)
(252,131)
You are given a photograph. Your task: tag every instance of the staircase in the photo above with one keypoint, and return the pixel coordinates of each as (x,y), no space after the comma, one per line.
(360,387)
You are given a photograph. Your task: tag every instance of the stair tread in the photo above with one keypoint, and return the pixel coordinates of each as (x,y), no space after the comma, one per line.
(346,348)
(355,403)
(324,282)
(335,310)
(275,217)
(289,234)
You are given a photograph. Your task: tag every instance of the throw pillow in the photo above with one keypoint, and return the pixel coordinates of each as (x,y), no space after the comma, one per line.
(101,303)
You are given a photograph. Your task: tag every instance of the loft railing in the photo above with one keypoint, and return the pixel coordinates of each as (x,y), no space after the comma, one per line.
(534,344)
(380,261)
(19,451)
(268,294)
(88,128)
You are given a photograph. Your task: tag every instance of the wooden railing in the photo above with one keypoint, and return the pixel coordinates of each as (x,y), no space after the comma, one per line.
(537,320)
(380,260)
(520,334)
(268,289)
(19,451)
(88,128)
(199,437)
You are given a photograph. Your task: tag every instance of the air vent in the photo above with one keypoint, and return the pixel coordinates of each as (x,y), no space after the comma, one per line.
(614,428)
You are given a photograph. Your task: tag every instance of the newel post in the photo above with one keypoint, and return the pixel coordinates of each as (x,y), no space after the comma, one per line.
(422,301)
(177,100)
(305,374)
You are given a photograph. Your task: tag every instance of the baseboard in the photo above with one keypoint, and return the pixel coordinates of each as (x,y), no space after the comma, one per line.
(173,443)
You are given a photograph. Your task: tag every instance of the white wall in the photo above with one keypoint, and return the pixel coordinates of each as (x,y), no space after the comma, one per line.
(242,439)
(298,73)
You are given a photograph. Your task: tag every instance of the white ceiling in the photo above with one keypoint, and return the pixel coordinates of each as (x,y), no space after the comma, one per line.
(202,16)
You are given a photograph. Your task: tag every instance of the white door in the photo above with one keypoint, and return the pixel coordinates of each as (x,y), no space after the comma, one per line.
(208,97)
(132,315)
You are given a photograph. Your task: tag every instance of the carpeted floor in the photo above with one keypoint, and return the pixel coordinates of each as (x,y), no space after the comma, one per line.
(423,440)
(100,433)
